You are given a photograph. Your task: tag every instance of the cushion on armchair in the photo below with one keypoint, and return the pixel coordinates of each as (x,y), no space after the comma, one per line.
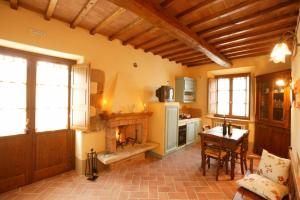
(263,187)
(274,168)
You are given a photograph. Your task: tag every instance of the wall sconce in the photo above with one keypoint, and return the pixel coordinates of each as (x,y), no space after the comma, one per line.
(281,49)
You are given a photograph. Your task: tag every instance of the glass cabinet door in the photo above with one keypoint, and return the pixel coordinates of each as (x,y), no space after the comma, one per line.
(278,103)
(264,100)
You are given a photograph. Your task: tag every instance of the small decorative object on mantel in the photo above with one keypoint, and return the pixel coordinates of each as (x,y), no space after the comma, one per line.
(91,166)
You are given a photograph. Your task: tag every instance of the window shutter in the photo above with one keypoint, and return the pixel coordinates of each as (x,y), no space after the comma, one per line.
(80,85)
(212,96)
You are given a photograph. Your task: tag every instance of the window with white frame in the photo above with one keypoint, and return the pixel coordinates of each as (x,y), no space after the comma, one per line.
(230,96)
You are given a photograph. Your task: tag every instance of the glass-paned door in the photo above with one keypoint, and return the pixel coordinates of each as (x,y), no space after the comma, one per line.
(13,90)
(278,103)
(264,100)
(52,82)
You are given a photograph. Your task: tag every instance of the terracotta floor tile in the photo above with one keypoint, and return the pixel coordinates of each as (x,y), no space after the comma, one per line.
(177,176)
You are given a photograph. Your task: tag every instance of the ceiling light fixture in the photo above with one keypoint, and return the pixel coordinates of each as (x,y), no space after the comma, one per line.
(281,49)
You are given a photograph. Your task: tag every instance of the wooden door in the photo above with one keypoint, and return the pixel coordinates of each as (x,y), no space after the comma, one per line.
(31,146)
(171,128)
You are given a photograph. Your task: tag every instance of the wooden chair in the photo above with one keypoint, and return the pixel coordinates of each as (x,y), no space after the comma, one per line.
(213,148)
(241,152)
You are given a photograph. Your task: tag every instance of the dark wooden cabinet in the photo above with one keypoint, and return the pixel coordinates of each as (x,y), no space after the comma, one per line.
(272,119)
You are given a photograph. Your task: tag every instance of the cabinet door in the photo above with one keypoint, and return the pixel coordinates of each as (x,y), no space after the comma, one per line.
(263,99)
(171,128)
(262,138)
(190,133)
(189,85)
(280,140)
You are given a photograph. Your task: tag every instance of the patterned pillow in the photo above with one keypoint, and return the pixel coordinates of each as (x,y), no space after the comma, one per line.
(263,187)
(274,167)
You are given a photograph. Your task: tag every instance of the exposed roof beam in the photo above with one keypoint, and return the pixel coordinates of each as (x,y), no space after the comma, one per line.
(250,54)
(171,50)
(270,25)
(85,10)
(126,28)
(242,22)
(153,39)
(148,30)
(50,10)
(254,37)
(263,42)
(258,49)
(157,17)
(188,55)
(107,20)
(158,46)
(198,63)
(14,4)
(177,53)
(193,62)
(166,3)
(197,59)
(196,7)
(241,7)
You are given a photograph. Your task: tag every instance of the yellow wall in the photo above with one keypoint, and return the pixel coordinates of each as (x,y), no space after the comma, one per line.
(295,113)
(124,85)
(255,65)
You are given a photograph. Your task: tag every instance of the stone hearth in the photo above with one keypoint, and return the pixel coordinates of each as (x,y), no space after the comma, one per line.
(137,123)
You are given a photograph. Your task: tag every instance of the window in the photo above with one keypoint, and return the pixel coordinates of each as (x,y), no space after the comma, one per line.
(13,81)
(51,96)
(229,95)
(34,93)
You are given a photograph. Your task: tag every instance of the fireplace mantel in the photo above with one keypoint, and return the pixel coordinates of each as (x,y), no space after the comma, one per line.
(118,116)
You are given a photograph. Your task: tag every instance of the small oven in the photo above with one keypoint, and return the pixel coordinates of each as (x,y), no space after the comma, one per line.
(182,135)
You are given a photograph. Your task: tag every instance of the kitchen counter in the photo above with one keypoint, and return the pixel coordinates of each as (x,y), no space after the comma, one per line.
(183,122)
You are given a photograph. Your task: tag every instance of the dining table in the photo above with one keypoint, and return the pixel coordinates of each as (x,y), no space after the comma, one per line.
(230,141)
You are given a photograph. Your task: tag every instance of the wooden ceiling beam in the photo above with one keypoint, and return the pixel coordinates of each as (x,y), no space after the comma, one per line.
(197,59)
(14,4)
(251,44)
(178,53)
(270,25)
(84,11)
(241,7)
(108,20)
(193,62)
(199,63)
(188,55)
(140,34)
(171,50)
(153,39)
(128,27)
(50,9)
(254,50)
(160,45)
(242,22)
(250,54)
(196,7)
(155,15)
(254,37)
(166,3)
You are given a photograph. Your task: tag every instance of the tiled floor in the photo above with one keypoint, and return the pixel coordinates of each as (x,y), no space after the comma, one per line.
(176,177)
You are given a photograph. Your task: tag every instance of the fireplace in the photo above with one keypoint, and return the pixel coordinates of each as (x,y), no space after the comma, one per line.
(128,135)
(125,138)
(126,129)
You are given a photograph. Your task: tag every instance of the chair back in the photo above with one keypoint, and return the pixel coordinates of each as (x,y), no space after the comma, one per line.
(212,142)
(245,142)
